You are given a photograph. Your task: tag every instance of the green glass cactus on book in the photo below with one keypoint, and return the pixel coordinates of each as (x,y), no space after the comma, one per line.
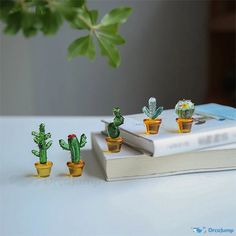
(152,123)
(40,138)
(114,141)
(74,146)
(184,109)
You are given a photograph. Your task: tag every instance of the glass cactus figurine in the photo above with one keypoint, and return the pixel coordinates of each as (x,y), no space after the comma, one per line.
(76,165)
(152,122)
(184,109)
(43,166)
(114,141)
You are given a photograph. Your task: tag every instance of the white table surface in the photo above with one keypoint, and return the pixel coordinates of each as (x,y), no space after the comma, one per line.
(66,206)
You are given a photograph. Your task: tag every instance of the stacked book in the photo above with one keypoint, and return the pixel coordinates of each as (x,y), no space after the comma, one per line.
(211,145)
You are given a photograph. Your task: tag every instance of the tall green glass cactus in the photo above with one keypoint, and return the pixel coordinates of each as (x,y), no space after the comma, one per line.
(113,127)
(74,146)
(40,138)
(151,111)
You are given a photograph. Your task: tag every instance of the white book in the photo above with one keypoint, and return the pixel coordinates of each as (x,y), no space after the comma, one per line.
(131,164)
(209,133)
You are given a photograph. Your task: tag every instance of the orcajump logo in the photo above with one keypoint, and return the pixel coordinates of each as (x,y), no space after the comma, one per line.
(210,230)
(199,230)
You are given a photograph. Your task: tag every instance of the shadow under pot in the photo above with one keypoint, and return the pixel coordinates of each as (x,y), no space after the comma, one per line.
(43,170)
(76,169)
(114,144)
(152,125)
(185,125)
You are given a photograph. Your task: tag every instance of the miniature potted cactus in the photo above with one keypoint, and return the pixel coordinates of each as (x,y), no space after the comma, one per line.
(114,141)
(184,109)
(152,122)
(76,165)
(43,166)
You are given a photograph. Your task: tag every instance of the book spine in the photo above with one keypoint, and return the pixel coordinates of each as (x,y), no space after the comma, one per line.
(184,143)
(98,153)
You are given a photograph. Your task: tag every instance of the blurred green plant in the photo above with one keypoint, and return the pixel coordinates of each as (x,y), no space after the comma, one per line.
(33,16)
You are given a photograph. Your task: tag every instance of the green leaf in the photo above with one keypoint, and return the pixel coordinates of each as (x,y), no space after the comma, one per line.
(13,23)
(66,10)
(82,20)
(113,38)
(75,3)
(28,24)
(5,8)
(75,13)
(83,46)
(108,49)
(40,10)
(116,16)
(110,29)
(93,16)
(51,21)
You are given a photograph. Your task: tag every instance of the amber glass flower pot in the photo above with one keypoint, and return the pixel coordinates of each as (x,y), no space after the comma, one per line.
(185,125)
(114,144)
(76,169)
(43,170)
(152,125)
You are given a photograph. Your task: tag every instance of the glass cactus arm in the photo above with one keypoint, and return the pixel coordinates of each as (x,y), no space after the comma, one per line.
(146,112)
(34,133)
(116,111)
(48,135)
(64,145)
(157,112)
(113,130)
(118,120)
(49,144)
(83,140)
(36,153)
(36,140)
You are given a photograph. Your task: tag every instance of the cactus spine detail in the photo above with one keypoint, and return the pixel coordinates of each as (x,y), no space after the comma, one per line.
(74,146)
(113,127)
(152,112)
(40,139)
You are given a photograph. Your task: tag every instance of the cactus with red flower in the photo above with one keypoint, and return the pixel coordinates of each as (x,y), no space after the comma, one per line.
(74,146)
(40,138)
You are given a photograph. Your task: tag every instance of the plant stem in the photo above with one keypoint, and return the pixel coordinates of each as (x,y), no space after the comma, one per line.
(86,22)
